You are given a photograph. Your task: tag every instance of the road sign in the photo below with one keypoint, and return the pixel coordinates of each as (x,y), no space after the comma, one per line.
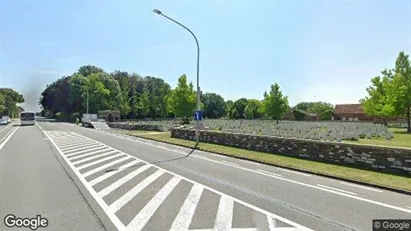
(198,115)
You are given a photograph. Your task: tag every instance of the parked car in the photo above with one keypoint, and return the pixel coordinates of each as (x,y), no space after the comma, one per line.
(4,121)
(6,118)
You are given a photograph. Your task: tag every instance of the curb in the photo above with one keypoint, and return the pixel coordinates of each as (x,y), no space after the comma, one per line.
(402,191)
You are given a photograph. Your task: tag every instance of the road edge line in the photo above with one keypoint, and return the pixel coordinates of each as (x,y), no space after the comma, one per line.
(402,191)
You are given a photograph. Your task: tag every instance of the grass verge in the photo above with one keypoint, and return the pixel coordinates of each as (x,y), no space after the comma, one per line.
(401,139)
(398,183)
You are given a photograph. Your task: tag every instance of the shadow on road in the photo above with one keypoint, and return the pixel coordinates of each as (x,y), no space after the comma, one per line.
(159,161)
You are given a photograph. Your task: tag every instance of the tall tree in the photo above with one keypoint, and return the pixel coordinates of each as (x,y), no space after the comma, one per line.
(144,103)
(181,101)
(275,104)
(229,105)
(10,99)
(400,91)
(323,110)
(238,108)
(377,102)
(253,109)
(214,105)
(158,90)
(123,80)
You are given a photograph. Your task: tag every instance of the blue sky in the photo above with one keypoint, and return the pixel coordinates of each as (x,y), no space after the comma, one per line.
(315,50)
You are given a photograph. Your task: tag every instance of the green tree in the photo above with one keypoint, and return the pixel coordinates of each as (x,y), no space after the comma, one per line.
(229,105)
(214,105)
(323,110)
(181,101)
(144,103)
(275,104)
(123,80)
(253,109)
(10,100)
(158,90)
(399,95)
(377,102)
(238,108)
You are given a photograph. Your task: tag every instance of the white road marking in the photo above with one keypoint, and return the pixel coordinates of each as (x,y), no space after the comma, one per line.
(229,163)
(188,180)
(93,157)
(78,155)
(249,162)
(204,157)
(91,172)
(74,145)
(268,173)
(107,190)
(86,152)
(336,189)
(77,147)
(271,224)
(224,219)
(151,207)
(99,161)
(8,136)
(113,218)
(363,187)
(276,177)
(186,213)
(109,174)
(118,204)
(291,171)
(81,148)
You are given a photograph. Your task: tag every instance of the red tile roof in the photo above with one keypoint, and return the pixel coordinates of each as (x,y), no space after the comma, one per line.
(348,109)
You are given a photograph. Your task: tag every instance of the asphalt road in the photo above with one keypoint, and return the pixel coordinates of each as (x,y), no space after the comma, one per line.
(82,179)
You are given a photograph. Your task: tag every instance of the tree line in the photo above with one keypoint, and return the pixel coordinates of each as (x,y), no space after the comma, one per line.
(9,98)
(138,97)
(390,92)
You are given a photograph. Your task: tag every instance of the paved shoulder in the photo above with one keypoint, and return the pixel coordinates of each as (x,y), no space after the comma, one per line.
(34,183)
(137,195)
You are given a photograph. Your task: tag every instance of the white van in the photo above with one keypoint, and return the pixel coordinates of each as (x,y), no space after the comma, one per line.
(27,118)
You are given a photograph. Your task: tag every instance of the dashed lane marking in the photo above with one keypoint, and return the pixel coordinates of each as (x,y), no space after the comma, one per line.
(336,189)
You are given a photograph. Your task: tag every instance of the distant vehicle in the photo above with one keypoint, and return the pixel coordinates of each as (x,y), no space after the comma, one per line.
(6,118)
(87,119)
(3,121)
(27,118)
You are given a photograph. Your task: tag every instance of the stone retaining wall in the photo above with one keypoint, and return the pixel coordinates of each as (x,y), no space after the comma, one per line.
(145,127)
(392,160)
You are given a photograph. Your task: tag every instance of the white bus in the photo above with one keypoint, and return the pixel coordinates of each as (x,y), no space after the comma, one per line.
(27,118)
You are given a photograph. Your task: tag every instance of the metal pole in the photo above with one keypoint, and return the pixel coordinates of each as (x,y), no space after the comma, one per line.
(198,122)
(87,99)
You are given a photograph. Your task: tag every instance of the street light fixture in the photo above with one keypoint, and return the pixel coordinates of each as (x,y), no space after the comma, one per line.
(198,122)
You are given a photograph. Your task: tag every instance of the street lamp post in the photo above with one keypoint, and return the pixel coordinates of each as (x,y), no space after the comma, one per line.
(198,122)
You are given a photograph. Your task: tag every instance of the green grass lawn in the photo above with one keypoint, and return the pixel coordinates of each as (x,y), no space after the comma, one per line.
(372,177)
(401,139)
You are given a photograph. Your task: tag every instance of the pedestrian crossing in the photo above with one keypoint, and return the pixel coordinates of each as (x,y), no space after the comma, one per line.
(146,197)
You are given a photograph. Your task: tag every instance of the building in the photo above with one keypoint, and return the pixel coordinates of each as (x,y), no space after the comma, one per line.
(109,115)
(355,112)
(350,112)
